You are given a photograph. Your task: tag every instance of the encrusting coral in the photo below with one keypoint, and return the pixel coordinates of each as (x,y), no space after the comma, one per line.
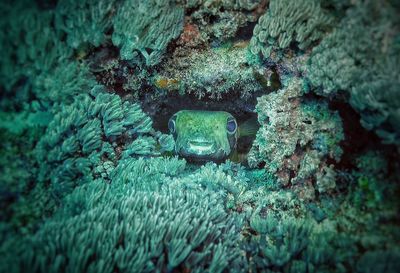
(220,21)
(296,139)
(213,74)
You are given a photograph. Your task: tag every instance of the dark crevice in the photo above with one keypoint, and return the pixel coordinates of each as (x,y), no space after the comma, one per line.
(190,11)
(246,32)
(357,138)
(46,4)
(212,19)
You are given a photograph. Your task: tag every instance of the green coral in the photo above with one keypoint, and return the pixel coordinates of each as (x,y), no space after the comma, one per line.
(337,63)
(83,136)
(63,83)
(379,261)
(360,58)
(279,241)
(214,74)
(37,62)
(293,244)
(372,183)
(137,232)
(30,45)
(296,136)
(380,110)
(22,200)
(84,21)
(147,173)
(146,27)
(286,22)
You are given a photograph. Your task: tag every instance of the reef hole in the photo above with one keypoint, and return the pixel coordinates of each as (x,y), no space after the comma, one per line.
(161,110)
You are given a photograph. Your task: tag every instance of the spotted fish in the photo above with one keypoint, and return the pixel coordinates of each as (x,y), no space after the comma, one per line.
(206,135)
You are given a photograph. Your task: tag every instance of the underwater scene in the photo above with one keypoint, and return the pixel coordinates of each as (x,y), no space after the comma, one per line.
(191,136)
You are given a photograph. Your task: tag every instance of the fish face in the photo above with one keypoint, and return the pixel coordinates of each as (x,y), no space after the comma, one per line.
(204,135)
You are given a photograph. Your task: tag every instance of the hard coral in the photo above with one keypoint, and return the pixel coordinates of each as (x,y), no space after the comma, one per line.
(213,73)
(190,36)
(220,21)
(297,138)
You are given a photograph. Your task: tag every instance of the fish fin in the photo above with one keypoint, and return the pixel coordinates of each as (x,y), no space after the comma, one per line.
(234,156)
(249,127)
(237,157)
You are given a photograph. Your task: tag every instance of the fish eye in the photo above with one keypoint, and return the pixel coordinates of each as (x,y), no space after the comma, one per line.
(231,126)
(171,124)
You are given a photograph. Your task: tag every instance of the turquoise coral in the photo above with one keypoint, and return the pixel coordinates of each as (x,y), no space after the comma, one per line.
(137,32)
(302,22)
(349,61)
(88,179)
(84,21)
(90,127)
(31,45)
(138,233)
(296,135)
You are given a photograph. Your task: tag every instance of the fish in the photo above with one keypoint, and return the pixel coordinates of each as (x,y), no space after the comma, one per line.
(207,135)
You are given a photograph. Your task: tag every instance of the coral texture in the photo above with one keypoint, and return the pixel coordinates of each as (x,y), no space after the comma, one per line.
(287,22)
(147,28)
(90,177)
(84,21)
(83,138)
(296,138)
(212,74)
(138,233)
(360,58)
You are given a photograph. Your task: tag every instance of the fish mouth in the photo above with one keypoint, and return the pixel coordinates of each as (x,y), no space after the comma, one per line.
(200,147)
(200,151)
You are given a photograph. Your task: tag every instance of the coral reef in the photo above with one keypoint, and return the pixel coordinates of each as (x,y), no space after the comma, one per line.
(212,74)
(220,21)
(360,58)
(135,30)
(371,169)
(88,134)
(287,23)
(30,45)
(297,139)
(139,233)
(84,21)
(22,202)
(379,261)
(90,178)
